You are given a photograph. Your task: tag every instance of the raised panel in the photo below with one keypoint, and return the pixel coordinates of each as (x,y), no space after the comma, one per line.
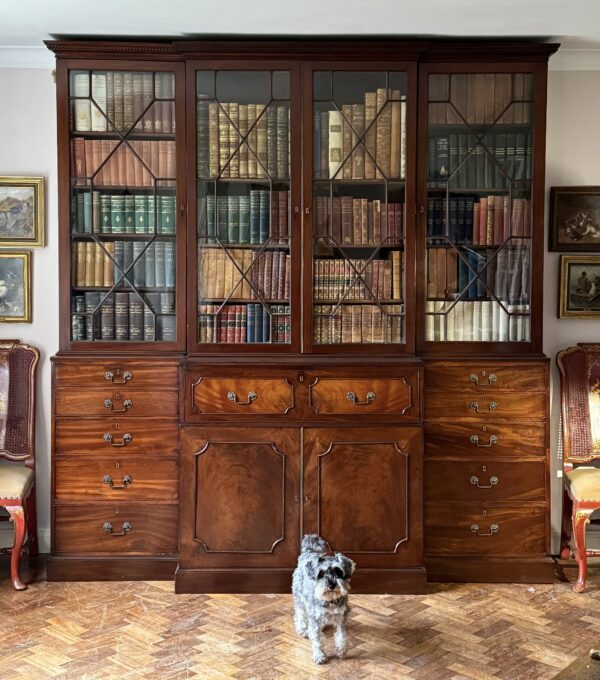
(134,529)
(127,402)
(117,372)
(363,491)
(242,396)
(485,406)
(116,479)
(478,440)
(483,375)
(362,396)
(240,494)
(484,481)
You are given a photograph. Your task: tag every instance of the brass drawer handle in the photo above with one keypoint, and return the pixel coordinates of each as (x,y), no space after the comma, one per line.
(474,406)
(107,526)
(475,482)
(492,377)
(232,396)
(109,376)
(127,479)
(127,403)
(494,529)
(108,438)
(474,439)
(351,396)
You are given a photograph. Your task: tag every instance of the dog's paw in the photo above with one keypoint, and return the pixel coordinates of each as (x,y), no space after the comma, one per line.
(341,652)
(319,658)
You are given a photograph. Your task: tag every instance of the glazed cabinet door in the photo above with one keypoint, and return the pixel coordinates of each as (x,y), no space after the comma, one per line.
(362,492)
(240,497)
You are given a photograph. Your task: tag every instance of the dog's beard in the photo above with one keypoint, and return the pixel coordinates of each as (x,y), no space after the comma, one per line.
(323,592)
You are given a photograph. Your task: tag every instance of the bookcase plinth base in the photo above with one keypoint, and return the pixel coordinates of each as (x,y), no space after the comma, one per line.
(473,569)
(110,568)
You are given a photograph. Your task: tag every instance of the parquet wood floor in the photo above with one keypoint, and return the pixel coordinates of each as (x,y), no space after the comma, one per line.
(85,631)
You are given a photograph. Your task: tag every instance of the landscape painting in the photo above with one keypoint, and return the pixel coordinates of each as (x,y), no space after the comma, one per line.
(22,211)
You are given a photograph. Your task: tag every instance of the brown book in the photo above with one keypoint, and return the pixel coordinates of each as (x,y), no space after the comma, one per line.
(498,220)
(346,142)
(108,173)
(367,324)
(261,140)
(356,323)
(396,275)
(377,323)
(125,166)
(119,103)
(506,218)
(234,140)
(150,156)
(274,218)
(147,96)
(223,139)
(283,275)
(243,128)
(81,264)
(384,123)
(370,134)
(109,268)
(398,222)
(252,141)
(483,219)
(347,237)
(137,101)
(395,124)
(445,114)
(518,96)
(346,323)
(364,220)
(356,222)
(376,212)
(90,261)
(171,161)
(127,100)
(489,98)
(213,139)
(88,162)
(98,265)
(459,94)
(336,219)
(79,158)
(451,270)
(358,153)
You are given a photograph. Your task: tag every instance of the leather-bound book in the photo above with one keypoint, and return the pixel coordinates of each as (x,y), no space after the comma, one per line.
(347,141)
(136,318)
(358,153)
(121,316)
(107,318)
(272,141)
(261,140)
(283,124)
(234,140)
(223,110)
(384,124)
(370,134)
(243,129)
(395,126)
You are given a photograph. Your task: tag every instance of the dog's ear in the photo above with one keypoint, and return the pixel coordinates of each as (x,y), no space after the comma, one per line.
(348,566)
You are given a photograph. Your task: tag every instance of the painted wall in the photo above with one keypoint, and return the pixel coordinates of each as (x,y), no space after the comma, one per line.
(28,147)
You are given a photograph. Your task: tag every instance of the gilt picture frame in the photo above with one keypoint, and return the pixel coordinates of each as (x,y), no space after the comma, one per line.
(15,286)
(579,287)
(22,212)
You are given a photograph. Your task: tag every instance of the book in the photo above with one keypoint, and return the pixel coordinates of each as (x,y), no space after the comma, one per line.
(80,89)
(335,137)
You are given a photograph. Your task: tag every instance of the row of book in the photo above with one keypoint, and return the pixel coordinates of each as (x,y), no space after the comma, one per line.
(362,141)
(477,321)
(242,141)
(98,213)
(358,221)
(356,279)
(106,162)
(358,324)
(484,221)
(265,273)
(124,317)
(244,324)
(123,101)
(505,273)
(493,161)
(505,98)
(256,217)
(101,265)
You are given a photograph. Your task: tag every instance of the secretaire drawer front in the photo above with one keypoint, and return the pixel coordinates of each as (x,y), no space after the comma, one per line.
(364,396)
(131,372)
(110,529)
(486,405)
(484,481)
(243,396)
(459,529)
(107,435)
(482,440)
(124,401)
(117,479)
(477,376)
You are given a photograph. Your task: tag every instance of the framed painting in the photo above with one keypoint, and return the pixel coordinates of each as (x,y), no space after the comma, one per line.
(579,287)
(15,286)
(574,219)
(22,211)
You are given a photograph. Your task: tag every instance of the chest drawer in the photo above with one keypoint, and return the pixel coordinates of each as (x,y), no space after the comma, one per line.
(364,396)
(116,479)
(106,435)
(243,396)
(476,376)
(125,402)
(123,529)
(489,481)
(478,440)
(485,406)
(131,372)
(465,528)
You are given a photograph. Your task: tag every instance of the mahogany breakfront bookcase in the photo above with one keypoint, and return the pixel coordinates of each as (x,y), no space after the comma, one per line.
(300,291)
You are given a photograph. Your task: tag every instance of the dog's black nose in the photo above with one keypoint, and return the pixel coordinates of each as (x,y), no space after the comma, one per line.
(331,583)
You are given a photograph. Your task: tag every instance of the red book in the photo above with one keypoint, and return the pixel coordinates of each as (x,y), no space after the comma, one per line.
(282,276)
(384,222)
(88,163)
(498,220)
(273,288)
(266,284)
(506,218)
(483,212)
(230,336)
(79,158)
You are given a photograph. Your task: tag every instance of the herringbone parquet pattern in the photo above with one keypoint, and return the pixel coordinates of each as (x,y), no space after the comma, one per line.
(143,630)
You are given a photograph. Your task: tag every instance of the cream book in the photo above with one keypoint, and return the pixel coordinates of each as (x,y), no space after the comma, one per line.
(450,324)
(486,320)
(336,142)
(502,325)
(82,107)
(99,103)
(468,321)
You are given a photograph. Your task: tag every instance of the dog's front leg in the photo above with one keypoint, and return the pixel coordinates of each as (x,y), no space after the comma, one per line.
(340,639)
(300,618)
(314,634)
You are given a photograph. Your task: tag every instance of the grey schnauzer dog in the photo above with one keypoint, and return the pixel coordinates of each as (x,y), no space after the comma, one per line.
(320,587)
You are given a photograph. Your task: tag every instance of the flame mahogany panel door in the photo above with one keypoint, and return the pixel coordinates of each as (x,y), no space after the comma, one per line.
(362,493)
(240,491)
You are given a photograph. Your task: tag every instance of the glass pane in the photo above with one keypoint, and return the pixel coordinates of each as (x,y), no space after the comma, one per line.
(359,148)
(243,202)
(123,200)
(479,207)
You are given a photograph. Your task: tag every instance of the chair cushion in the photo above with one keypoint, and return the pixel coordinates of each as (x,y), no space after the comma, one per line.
(584,483)
(15,481)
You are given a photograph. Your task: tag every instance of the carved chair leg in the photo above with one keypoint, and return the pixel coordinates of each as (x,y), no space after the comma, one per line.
(32,525)
(566,537)
(580,519)
(17,512)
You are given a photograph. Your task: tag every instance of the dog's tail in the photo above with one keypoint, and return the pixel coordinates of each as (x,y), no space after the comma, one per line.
(313,543)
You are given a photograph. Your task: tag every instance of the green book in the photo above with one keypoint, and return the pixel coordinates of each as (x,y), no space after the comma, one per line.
(254,216)
(210,219)
(168,214)
(130,214)
(151,218)
(222,218)
(159,218)
(105,222)
(244,219)
(159,264)
(96,212)
(150,266)
(78,227)
(233,219)
(139,268)
(117,214)
(170,264)
(141,218)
